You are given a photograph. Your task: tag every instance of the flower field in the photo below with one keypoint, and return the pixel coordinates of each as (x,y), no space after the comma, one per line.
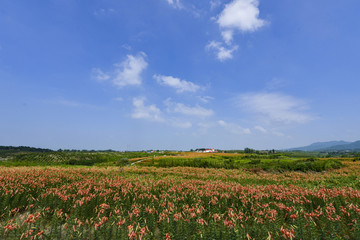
(178,203)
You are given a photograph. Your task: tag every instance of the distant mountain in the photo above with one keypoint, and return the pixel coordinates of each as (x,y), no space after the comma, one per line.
(318,146)
(352,147)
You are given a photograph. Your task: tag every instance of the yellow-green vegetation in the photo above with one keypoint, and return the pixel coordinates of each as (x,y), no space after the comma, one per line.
(74,158)
(251,162)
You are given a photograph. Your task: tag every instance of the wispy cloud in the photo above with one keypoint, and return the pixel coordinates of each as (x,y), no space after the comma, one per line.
(127,72)
(233,128)
(99,75)
(214,4)
(148,112)
(272,131)
(177,83)
(205,99)
(275,107)
(104,11)
(175,4)
(241,15)
(173,107)
(261,129)
(187,6)
(222,53)
(152,113)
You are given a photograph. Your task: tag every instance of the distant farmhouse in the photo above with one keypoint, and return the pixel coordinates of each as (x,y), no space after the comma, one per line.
(206,150)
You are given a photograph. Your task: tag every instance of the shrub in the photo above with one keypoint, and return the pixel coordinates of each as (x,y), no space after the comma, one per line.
(255,161)
(122,162)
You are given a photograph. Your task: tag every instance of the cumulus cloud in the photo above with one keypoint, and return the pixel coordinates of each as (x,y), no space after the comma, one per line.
(125,73)
(178,84)
(275,107)
(233,128)
(241,15)
(237,16)
(173,107)
(222,53)
(148,112)
(129,71)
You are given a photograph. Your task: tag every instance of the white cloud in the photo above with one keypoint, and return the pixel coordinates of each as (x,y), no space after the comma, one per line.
(227,36)
(221,52)
(153,113)
(214,4)
(233,128)
(141,111)
(188,7)
(125,73)
(270,131)
(197,110)
(126,47)
(129,71)
(242,15)
(99,75)
(275,107)
(260,129)
(205,99)
(175,3)
(238,15)
(178,84)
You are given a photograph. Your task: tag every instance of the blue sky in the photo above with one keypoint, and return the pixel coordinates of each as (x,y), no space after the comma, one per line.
(178,74)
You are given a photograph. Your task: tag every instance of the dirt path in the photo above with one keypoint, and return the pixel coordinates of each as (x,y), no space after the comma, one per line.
(141,160)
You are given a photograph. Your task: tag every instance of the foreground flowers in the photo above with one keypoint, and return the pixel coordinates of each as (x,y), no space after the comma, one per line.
(176,203)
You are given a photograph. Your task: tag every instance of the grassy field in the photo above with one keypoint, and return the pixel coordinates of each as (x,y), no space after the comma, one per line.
(250,162)
(250,200)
